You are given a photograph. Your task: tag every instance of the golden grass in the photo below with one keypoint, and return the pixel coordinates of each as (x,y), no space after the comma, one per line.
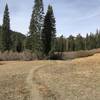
(77,79)
(13,76)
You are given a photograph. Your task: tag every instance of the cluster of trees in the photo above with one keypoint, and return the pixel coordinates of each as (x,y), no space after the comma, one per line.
(10,40)
(91,41)
(41,38)
(42,31)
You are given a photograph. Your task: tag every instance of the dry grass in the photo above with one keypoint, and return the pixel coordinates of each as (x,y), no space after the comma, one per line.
(13,75)
(71,80)
(77,79)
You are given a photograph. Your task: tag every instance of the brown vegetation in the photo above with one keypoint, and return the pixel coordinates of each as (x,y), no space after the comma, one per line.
(77,79)
(79,54)
(13,56)
(28,56)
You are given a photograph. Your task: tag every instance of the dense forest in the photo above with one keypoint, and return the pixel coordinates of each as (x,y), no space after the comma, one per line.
(72,43)
(41,38)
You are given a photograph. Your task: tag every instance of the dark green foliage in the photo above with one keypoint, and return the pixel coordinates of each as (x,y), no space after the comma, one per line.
(49,32)
(28,43)
(92,41)
(71,43)
(0,28)
(79,43)
(6,34)
(0,36)
(97,39)
(0,31)
(36,25)
(17,41)
(60,44)
(87,42)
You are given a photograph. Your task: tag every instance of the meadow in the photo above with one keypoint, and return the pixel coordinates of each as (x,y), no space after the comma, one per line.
(77,79)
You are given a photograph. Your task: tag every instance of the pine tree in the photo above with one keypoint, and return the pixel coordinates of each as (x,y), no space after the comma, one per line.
(92,41)
(36,25)
(61,44)
(0,31)
(87,42)
(49,32)
(97,38)
(79,43)
(17,44)
(0,28)
(6,34)
(28,43)
(71,43)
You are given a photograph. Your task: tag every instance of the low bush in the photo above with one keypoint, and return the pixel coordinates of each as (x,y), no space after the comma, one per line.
(13,56)
(79,54)
(56,56)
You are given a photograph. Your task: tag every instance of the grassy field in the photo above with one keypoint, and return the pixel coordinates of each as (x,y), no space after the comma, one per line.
(77,79)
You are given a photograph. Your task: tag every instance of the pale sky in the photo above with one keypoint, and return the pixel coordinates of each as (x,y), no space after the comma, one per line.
(72,16)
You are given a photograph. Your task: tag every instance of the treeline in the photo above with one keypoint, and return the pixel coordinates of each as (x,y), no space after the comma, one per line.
(41,39)
(91,41)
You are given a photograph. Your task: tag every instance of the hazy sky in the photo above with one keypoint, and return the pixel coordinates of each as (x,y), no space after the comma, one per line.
(72,16)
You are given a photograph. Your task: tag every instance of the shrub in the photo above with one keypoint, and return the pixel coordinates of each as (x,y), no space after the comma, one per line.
(78,54)
(12,56)
(55,56)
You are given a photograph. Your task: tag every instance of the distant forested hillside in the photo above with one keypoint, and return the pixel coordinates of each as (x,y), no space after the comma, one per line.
(17,39)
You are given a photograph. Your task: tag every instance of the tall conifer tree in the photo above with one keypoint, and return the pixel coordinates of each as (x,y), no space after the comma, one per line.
(71,43)
(36,25)
(79,43)
(49,31)
(6,34)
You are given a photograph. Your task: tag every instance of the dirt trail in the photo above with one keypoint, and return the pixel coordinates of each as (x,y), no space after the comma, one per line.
(34,92)
(38,89)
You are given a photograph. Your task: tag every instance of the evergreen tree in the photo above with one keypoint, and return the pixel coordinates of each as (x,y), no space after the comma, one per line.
(97,38)
(87,42)
(57,45)
(71,43)
(6,34)
(28,43)
(61,44)
(49,32)
(79,43)
(36,25)
(66,39)
(0,31)
(17,41)
(92,41)
(64,44)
